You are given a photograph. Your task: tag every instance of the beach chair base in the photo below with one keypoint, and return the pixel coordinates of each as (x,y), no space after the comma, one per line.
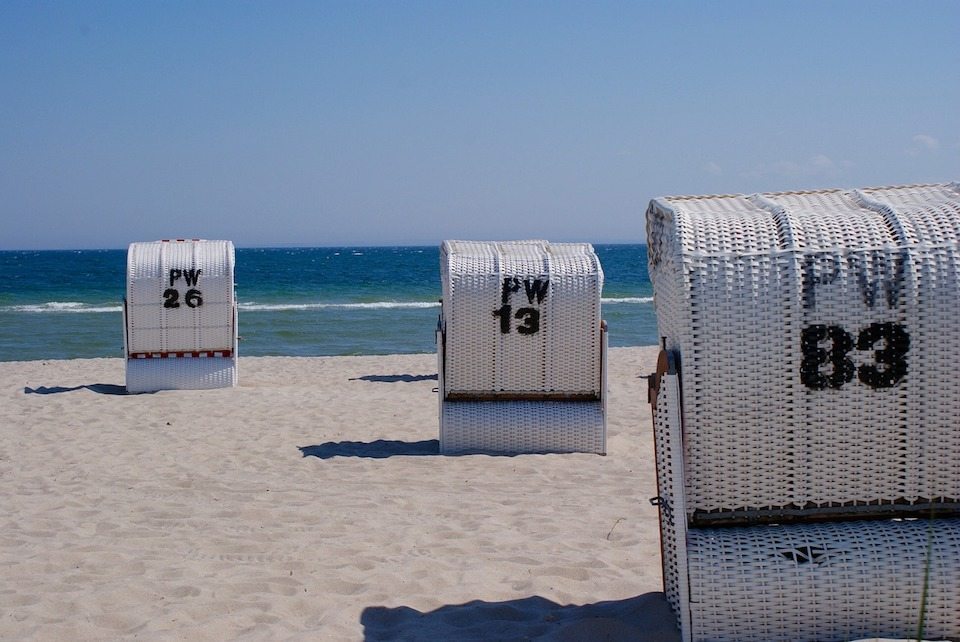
(832,581)
(181,373)
(515,427)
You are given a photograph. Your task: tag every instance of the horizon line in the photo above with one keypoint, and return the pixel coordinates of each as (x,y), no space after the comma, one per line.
(292,246)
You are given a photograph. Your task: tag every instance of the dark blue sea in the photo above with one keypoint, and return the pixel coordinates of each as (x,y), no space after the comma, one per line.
(293,301)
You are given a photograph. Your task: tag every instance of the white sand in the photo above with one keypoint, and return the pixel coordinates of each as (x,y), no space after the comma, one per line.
(310,503)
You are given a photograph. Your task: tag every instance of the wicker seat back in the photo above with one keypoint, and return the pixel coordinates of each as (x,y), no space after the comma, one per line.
(522,318)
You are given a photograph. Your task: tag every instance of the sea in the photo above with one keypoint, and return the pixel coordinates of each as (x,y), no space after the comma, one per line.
(306,301)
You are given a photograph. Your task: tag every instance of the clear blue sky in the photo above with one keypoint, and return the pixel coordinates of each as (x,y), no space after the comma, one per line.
(372,123)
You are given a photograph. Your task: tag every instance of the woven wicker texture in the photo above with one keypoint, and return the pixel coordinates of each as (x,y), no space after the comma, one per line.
(180,315)
(522,427)
(521,317)
(829,582)
(181,373)
(819,334)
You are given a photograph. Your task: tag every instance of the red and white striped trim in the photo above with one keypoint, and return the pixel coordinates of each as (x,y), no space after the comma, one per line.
(179,355)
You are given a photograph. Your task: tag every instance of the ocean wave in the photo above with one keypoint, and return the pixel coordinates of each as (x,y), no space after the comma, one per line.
(376,305)
(62,306)
(628,299)
(385,305)
(252,306)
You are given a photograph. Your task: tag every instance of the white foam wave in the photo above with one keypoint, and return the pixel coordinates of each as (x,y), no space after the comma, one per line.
(629,299)
(376,305)
(78,307)
(62,306)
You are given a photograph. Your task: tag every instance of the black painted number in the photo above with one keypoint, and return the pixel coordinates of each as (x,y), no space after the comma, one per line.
(814,357)
(171,298)
(529,316)
(535,289)
(829,344)
(896,344)
(531,320)
(193,298)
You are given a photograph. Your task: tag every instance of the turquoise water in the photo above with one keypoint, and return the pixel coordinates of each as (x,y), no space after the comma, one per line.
(293,301)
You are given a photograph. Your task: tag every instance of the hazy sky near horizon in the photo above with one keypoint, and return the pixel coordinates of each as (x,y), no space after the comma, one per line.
(382,123)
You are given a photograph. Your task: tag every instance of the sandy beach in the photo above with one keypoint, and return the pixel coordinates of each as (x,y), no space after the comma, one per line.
(310,502)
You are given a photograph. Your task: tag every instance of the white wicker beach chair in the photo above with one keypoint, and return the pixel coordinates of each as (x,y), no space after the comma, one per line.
(521,348)
(806,412)
(180,315)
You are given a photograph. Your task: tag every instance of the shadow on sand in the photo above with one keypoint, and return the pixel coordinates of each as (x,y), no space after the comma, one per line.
(401,378)
(645,618)
(99,388)
(383,448)
(380,449)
